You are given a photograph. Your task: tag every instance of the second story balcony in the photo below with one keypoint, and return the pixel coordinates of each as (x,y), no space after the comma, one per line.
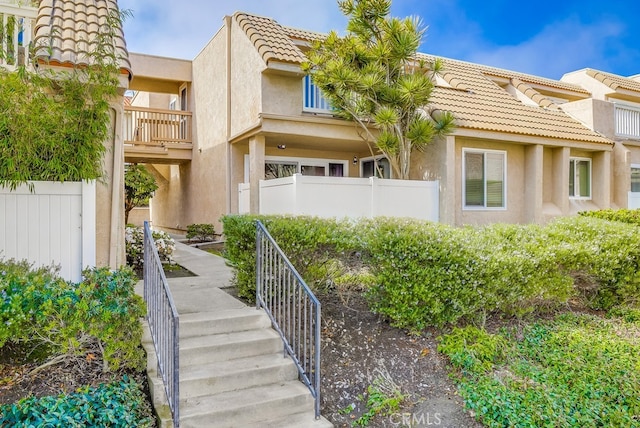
(157,136)
(627,120)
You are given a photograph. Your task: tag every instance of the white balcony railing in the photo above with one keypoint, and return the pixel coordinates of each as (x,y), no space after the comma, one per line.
(312,99)
(16,33)
(627,121)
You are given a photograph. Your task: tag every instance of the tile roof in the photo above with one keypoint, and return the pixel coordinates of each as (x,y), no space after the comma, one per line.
(487,106)
(614,81)
(474,98)
(269,38)
(66,31)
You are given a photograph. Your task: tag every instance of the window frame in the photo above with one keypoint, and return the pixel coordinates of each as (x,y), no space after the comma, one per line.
(484,207)
(576,180)
(374,159)
(633,166)
(300,162)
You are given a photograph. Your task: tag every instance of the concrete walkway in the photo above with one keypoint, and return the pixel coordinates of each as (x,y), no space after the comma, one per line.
(232,369)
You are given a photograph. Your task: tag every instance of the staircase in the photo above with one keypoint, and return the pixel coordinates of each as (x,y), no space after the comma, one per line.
(233,372)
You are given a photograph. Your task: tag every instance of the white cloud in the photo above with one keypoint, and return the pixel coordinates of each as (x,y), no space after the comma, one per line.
(181,29)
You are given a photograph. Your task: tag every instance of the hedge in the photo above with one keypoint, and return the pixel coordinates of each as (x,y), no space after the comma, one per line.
(425,274)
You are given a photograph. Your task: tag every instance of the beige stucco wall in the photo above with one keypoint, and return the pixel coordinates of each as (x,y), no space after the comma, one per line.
(596,114)
(282,94)
(139,215)
(110,248)
(597,89)
(514,212)
(195,192)
(246,81)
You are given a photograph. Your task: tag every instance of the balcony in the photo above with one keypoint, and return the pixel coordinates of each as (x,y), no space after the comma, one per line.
(157,136)
(627,121)
(16,34)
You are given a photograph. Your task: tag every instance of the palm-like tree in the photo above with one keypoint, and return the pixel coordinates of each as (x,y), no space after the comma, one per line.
(374,77)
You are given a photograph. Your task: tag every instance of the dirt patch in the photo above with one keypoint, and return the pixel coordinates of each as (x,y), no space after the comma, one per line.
(360,349)
(19,380)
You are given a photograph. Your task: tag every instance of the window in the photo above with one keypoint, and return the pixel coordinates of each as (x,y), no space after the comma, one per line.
(379,167)
(279,167)
(484,179)
(580,178)
(635,177)
(312,98)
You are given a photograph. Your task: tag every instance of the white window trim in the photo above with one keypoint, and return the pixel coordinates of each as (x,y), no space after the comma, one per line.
(299,160)
(633,166)
(464,186)
(582,198)
(371,158)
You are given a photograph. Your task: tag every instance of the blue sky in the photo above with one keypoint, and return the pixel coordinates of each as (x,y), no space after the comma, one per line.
(543,37)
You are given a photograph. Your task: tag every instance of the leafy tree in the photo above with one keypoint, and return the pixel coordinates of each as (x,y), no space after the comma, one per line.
(374,76)
(53,125)
(139,185)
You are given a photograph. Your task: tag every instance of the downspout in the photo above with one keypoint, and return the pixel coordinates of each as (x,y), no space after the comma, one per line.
(116,206)
(228,89)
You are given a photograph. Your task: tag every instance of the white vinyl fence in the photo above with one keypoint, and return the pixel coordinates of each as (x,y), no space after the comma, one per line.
(56,224)
(346,197)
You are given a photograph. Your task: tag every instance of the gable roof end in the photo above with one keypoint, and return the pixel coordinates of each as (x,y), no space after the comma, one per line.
(269,38)
(66,30)
(614,81)
(534,95)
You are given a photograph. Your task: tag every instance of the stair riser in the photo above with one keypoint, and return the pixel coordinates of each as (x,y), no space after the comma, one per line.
(250,413)
(246,379)
(228,351)
(226,325)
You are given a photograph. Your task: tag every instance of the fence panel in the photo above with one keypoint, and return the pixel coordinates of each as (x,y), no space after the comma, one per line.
(55,224)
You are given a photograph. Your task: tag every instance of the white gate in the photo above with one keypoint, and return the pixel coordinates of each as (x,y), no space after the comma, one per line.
(54,224)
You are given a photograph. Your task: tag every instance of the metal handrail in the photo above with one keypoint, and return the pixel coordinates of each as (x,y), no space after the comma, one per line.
(292,307)
(164,323)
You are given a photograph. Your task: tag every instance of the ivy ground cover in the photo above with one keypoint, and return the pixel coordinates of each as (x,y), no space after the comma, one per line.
(577,370)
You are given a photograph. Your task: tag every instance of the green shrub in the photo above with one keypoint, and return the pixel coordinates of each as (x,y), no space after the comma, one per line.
(134,246)
(574,371)
(119,404)
(473,350)
(201,232)
(100,315)
(604,255)
(422,274)
(310,243)
(622,215)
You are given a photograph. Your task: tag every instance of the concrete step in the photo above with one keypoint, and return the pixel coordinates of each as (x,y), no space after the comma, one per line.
(239,373)
(247,407)
(298,420)
(226,321)
(227,346)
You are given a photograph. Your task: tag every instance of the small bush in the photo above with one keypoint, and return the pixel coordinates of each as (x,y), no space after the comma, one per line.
(99,315)
(119,404)
(310,243)
(473,350)
(574,371)
(200,232)
(421,274)
(134,241)
(622,215)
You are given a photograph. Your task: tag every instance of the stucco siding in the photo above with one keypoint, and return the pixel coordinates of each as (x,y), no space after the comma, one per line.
(246,81)
(282,94)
